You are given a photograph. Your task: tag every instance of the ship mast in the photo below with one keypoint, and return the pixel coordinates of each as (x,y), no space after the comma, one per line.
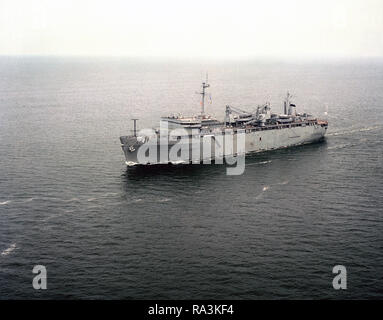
(203,93)
(135,127)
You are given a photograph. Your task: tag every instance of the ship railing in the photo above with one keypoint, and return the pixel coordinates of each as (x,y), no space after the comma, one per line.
(283,125)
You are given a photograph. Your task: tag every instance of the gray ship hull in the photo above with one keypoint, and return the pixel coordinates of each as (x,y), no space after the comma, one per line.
(255,141)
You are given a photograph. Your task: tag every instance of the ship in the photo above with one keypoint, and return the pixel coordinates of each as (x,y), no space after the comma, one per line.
(202,138)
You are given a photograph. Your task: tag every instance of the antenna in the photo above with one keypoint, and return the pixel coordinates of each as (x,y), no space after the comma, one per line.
(135,128)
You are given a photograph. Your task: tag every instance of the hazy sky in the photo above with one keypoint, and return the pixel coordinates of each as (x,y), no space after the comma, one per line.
(222,29)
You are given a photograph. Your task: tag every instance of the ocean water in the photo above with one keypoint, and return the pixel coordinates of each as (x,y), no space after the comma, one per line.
(68,202)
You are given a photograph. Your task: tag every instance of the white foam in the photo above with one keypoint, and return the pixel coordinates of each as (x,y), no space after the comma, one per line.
(370,128)
(264,189)
(258,163)
(264,162)
(5,202)
(9,250)
(178,162)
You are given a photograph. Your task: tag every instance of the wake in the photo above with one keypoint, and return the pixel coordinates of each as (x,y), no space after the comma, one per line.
(347,132)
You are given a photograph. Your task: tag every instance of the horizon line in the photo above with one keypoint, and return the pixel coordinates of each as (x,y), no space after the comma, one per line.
(219,58)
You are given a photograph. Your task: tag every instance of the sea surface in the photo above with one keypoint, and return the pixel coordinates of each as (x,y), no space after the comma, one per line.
(102,230)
